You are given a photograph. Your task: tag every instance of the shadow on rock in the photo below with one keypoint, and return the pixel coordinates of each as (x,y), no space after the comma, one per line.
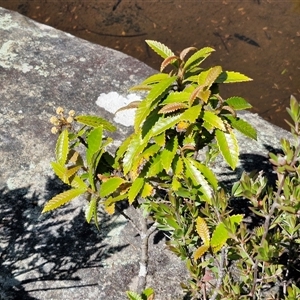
(51,247)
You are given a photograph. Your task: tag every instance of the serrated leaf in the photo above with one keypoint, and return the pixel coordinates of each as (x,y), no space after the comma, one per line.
(198,179)
(219,237)
(78,183)
(208,174)
(62,199)
(168,108)
(91,209)
(147,190)
(155,78)
(228,146)
(155,167)
(159,48)
(148,104)
(214,120)
(231,77)
(238,103)
(208,77)
(175,184)
(131,105)
(60,171)
(135,147)
(110,186)
(168,153)
(243,127)
(198,57)
(200,251)
(178,166)
(72,170)
(95,121)
(177,97)
(141,87)
(133,296)
(163,124)
(94,141)
(203,231)
(169,60)
(135,188)
(160,139)
(62,147)
(185,51)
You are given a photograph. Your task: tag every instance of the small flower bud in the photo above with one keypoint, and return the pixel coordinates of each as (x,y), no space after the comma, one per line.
(70,119)
(72,113)
(54,130)
(54,120)
(59,110)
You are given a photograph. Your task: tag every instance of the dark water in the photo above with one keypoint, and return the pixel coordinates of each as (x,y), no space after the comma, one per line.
(260,38)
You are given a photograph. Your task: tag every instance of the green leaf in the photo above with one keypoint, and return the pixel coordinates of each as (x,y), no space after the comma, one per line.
(78,183)
(163,124)
(238,103)
(177,97)
(208,77)
(60,171)
(214,120)
(95,121)
(160,48)
(219,237)
(135,188)
(133,296)
(62,199)
(62,147)
(168,153)
(231,77)
(243,127)
(198,179)
(91,209)
(155,78)
(228,146)
(208,173)
(110,186)
(148,104)
(155,167)
(136,146)
(198,57)
(94,142)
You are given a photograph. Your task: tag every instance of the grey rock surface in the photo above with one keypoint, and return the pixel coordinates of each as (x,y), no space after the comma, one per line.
(58,255)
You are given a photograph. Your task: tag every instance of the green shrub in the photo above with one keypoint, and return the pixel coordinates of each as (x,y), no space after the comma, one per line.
(163,170)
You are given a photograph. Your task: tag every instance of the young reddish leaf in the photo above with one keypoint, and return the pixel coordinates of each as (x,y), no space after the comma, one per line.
(62,199)
(172,107)
(141,87)
(131,105)
(167,61)
(185,51)
(159,48)
(228,146)
(95,121)
(214,120)
(110,186)
(62,147)
(203,231)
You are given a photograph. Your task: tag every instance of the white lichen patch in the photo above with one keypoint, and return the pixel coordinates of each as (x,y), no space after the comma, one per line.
(6,22)
(114,101)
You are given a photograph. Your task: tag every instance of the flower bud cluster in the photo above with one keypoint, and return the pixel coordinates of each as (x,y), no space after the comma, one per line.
(61,120)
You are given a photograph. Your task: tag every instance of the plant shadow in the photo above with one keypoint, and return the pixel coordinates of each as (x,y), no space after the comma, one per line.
(50,247)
